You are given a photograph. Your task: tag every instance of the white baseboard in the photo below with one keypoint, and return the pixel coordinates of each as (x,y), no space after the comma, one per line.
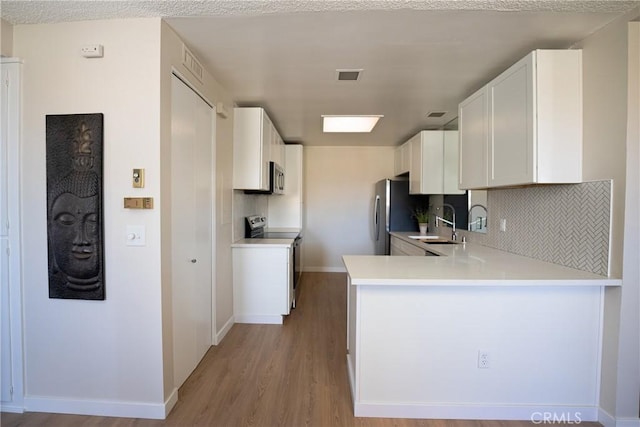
(108,408)
(259,318)
(628,422)
(16,409)
(170,402)
(352,378)
(324,269)
(223,332)
(605,418)
(562,414)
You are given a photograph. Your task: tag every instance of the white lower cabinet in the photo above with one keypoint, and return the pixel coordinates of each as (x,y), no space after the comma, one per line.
(262,283)
(400,247)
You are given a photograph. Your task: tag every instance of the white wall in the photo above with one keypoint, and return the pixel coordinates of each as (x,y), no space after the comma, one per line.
(629,358)
(338,191)
(94,356)
(606,93)
(115,356)
(6,38)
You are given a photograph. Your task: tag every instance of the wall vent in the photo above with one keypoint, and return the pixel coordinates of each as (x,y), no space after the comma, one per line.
(191,63)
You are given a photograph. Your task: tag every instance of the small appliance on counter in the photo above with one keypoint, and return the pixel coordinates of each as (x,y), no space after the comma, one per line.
(255,228)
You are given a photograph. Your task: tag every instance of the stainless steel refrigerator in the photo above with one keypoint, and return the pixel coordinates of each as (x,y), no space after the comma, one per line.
(393,211)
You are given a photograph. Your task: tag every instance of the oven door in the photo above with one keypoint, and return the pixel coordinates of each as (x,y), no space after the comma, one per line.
(297,270)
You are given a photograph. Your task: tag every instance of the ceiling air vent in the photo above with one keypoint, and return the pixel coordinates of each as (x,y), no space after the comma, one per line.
(436,114)
(348,75)
(191,63)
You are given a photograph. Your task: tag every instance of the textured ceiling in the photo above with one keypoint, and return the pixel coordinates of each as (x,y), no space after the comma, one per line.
(417,56)
(48,11)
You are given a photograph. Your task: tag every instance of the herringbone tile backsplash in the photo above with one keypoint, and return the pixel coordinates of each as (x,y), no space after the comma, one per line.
(563,224)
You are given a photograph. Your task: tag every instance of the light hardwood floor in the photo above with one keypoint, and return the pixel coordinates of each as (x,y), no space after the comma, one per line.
(271,375)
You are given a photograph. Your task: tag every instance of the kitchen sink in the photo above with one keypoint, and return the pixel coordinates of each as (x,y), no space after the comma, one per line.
(434,240)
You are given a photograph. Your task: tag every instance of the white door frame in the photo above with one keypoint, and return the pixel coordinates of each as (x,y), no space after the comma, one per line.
(11,130)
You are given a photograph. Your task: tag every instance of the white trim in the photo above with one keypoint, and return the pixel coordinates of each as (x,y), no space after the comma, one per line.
(170,402)
(225,329)
(12,408)
(352,376)
(576,414)
(628,422)
(12,95)
(269,319)
(605,418)
(214,228)
(110,408)
(324,270)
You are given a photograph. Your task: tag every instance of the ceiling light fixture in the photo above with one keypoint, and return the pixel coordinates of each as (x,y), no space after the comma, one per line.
(349,124)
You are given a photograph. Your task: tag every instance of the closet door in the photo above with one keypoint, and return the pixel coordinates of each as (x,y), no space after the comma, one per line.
(191,235)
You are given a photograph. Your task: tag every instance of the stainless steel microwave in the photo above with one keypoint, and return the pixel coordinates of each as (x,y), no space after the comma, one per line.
(276,181)
(276,178)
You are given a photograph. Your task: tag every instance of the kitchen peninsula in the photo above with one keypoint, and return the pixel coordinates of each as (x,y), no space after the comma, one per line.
(473,333)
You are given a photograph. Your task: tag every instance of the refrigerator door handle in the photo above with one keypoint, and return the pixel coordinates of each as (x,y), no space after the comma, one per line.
(376,217)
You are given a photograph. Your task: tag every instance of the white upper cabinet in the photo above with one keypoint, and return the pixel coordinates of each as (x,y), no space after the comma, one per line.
(473,125)
(434,161)
(286,211)
(255,143)
(277,148)
(402,159)
(533,124)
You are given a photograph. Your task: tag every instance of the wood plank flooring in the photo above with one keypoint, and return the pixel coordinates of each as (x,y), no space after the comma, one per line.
(270,375)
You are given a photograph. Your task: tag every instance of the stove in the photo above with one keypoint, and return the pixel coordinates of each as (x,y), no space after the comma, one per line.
(255,226)
(255,229)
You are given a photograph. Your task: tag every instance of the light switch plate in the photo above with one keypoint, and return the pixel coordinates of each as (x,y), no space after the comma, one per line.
(136,235)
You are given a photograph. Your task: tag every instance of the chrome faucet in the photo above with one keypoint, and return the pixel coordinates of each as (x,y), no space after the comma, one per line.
(454,235)
(480,222)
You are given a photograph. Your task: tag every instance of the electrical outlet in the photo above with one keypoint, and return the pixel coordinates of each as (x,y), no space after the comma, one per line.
(503,224)
(483,359)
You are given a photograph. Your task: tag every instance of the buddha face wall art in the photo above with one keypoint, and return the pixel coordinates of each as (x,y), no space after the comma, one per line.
(74,206)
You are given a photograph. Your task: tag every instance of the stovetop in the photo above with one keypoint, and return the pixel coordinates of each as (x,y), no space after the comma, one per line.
(255,228)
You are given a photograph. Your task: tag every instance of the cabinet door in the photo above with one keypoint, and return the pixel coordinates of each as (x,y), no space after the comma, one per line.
(397,161)
(451,154)
(473,134)
(511,150)
(267,138)
(432,175)
(402,159)
(285,211)
(251,126)
(415,166)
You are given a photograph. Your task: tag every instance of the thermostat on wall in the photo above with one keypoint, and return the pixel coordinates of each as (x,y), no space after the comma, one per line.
(92,51)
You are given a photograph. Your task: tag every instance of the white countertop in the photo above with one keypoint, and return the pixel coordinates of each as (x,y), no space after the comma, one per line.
(245,243)
(465,264)
(276,243)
